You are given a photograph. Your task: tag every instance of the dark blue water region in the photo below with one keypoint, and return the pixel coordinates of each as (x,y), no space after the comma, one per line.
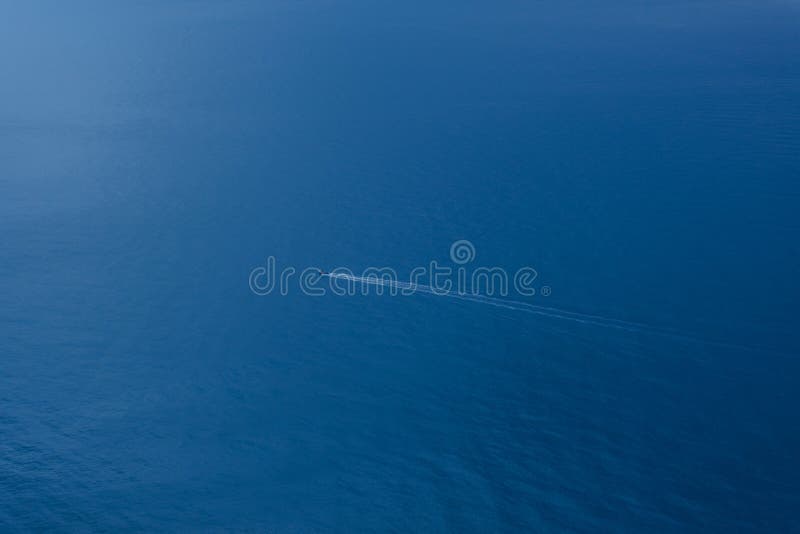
(641,156)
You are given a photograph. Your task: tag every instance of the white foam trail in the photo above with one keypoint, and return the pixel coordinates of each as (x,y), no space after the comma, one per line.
(554,313)
(546,311)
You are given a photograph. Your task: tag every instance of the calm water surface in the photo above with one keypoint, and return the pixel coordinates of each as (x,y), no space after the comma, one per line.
(642,156)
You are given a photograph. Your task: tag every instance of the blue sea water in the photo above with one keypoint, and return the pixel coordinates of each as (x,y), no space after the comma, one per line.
(643,157)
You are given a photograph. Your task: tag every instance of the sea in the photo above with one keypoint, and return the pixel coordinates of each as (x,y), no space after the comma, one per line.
(161,161)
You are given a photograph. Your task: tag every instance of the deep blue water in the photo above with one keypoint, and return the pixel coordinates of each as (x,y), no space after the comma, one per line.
(644,157)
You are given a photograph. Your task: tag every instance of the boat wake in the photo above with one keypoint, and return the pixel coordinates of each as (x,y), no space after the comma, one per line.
(535,309)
